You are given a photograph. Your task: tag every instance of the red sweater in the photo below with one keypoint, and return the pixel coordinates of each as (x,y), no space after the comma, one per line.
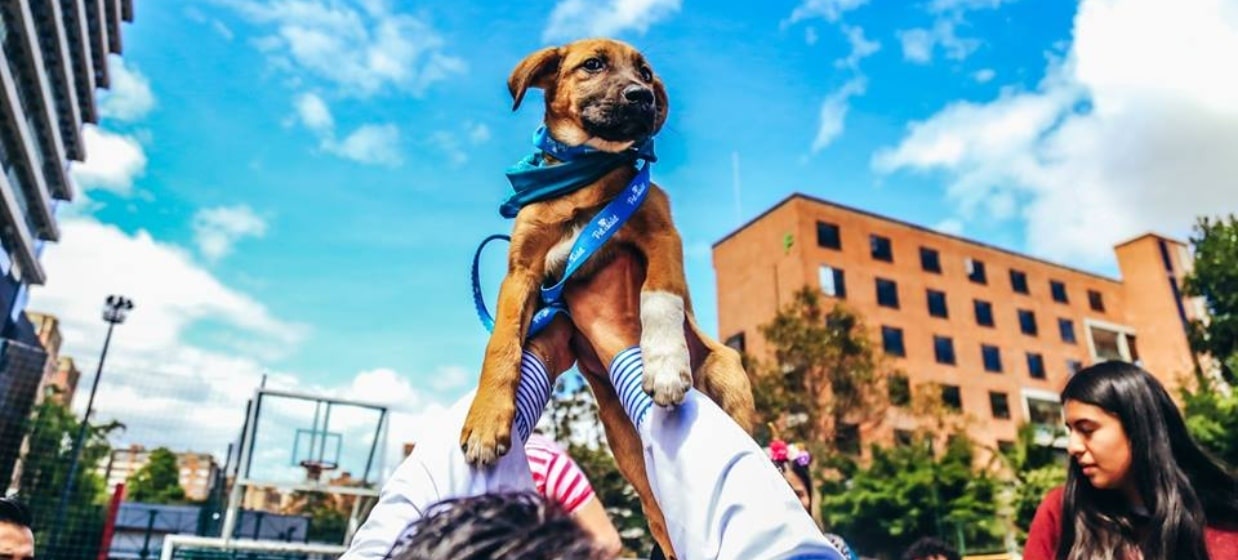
(1046,531)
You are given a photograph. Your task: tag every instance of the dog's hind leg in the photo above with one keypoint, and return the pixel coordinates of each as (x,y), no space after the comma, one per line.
(720,374)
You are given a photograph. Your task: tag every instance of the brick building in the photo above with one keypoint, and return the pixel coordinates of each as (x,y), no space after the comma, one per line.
(197,472)
(998,331)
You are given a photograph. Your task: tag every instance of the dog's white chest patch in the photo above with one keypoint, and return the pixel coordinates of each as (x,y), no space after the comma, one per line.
(556,257)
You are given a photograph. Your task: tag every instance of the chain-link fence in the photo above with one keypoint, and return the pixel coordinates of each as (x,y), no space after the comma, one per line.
(158,459)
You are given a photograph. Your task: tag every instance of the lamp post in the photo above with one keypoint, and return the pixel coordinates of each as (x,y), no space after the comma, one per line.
(114,310)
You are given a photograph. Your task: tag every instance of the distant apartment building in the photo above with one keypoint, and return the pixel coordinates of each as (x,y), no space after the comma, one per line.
(997,332)
(55,56)
(197,471)
(60,374)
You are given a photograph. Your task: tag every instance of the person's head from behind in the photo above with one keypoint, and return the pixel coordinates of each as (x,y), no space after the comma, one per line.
(16,538)
(792,461)
(929,548)
(1133,463)
(497,527)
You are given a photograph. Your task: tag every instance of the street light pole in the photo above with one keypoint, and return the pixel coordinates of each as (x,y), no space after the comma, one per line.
(114,310)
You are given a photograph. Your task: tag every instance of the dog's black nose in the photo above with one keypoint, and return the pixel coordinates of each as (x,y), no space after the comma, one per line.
(637,93)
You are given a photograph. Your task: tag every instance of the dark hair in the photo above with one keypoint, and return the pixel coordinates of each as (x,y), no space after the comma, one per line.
(496,527)
(800,471)
(15,512)
(1167,467)
(929,547)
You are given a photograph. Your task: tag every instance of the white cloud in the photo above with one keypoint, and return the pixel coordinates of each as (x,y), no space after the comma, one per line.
(917,45)
(577,19)
(455,145)
(951,226)
(112,163)
(834,113)
(861,48)
(167,385)
(216,230)
(810,35)
(984,75)
(129,98)
(361,50)
(1132,132)
(479,133)
(948,15)
(370,144)
(831,10)
(314,113)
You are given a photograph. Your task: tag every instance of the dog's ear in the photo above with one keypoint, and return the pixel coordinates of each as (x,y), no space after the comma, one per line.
(662,101)
(536,70)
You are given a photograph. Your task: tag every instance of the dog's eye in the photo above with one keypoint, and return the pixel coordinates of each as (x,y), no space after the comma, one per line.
(594,64)
(646,74)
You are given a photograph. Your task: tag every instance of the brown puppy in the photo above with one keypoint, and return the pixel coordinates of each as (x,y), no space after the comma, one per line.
(601,93)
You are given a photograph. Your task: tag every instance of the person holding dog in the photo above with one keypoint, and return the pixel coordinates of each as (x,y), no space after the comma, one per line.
(721,496)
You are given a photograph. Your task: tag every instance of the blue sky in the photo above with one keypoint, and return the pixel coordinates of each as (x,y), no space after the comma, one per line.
(296,187)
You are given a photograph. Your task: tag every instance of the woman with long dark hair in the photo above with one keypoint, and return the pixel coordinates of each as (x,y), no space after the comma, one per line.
(1138,487)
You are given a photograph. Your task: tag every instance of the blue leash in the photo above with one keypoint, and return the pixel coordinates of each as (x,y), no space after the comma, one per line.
(599,230)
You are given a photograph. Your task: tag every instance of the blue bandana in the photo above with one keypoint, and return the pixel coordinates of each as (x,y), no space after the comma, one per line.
(534,179)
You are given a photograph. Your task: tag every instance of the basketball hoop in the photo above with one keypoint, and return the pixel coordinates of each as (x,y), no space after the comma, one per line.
(314,469)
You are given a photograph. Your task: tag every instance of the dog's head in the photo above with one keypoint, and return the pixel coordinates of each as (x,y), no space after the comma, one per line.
(599,92)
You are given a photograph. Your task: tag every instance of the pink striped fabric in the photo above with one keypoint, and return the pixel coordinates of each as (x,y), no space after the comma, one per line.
(556,475)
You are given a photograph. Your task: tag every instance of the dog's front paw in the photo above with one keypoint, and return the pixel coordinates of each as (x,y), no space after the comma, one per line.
(487,434)
(668,373)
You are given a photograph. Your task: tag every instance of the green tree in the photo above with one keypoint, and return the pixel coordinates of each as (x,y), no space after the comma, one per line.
(1212,418)
(574,423)
(1032,471)
(908,491)
(44,473)
(1215,279)
(824,373)
(1210,406)
(158,481)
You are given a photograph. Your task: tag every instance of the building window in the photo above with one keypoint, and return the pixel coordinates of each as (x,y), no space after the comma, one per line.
(892,341)
(847,438)
(1000,405)
(1058,289)
(1073,366)
(1035,365)
(937,304)
(943,349)
(1096,301)
(904,438)
(881,248)
(1067,328)
(900,390)
(1018,281)
(1108,344)
(827,236)
(1027,322)
(984,313)
(951,397)
(1044,412)
(975,271)
(992,358)
(887,293)
(930,260)
(833,281)
(737,342)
